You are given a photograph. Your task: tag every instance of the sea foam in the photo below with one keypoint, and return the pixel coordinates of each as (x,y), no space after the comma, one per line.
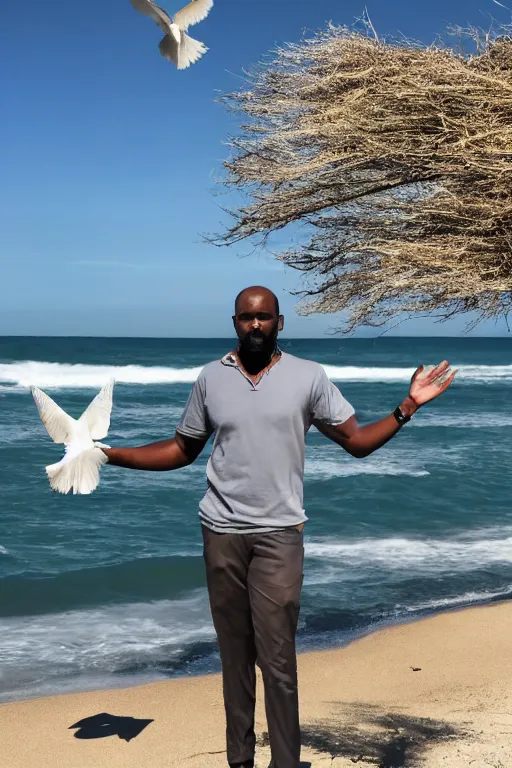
(81,376)
(458,554)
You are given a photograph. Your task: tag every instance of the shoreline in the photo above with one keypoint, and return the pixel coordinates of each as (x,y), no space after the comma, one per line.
(436,690)
(142,679)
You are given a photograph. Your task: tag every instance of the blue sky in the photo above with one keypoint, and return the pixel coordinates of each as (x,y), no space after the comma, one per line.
(109,155)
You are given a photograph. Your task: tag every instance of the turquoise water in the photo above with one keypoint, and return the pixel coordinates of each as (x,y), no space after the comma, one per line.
(109,590)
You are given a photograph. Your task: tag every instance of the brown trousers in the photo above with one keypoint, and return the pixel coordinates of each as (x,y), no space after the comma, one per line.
(254,584)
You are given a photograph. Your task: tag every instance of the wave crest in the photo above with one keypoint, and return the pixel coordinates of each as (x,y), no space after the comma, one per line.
(464,553)
(82,376)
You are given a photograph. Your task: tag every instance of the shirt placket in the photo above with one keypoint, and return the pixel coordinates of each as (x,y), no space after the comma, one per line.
(254,384)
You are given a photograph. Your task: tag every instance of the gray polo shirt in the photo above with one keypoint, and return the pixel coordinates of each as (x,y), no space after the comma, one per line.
(255,471)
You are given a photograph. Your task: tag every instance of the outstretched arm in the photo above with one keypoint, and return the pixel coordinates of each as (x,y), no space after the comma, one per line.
(157,457)
(192,434)
(362,441)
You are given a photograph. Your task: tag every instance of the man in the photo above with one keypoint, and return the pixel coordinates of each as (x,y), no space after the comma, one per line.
(259,403)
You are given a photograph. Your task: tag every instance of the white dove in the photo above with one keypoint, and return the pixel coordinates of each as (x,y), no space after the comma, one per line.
(176,45)
(79,470)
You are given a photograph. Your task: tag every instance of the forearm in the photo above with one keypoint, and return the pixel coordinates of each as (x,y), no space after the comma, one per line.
(156,457)
(426,385)
(368,439)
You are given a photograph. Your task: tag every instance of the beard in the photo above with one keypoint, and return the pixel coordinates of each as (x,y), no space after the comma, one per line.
(257,344)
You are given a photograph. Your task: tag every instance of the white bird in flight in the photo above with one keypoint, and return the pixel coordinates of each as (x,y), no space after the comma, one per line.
(79,470)
(176,45)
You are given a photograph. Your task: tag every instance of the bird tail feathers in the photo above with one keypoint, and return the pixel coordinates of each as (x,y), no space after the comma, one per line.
(190,51)
(184,53)
(81,474)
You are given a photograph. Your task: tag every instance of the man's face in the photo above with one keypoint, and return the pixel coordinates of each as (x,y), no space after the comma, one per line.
(257,323)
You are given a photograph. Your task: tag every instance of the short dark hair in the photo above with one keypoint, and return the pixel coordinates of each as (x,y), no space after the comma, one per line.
(262,289)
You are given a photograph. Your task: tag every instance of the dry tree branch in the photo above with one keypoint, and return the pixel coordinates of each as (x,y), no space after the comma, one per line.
(398,157)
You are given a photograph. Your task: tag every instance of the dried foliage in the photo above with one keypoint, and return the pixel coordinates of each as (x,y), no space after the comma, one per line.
(397,157)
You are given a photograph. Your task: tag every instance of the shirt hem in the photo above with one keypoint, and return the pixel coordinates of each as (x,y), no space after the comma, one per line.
(250,529)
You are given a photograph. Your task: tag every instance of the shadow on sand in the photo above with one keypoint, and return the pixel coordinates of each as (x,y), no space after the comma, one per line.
(102,725)
(263,741)
(366,734)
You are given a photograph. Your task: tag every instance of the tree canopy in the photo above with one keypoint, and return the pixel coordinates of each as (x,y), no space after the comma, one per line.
(397,158)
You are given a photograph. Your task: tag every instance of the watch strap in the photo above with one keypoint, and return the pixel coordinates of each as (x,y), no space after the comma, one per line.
(400,417)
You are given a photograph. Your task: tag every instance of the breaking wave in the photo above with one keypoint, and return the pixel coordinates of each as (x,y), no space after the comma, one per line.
(79,376)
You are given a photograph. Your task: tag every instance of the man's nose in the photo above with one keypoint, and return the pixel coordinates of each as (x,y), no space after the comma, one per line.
(255,325)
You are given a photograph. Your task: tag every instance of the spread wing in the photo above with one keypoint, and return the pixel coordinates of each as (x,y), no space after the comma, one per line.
(97,414)
(58,424)
(193,13)
(151,9)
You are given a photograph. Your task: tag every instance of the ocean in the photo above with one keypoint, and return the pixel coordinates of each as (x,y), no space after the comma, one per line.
(109,590)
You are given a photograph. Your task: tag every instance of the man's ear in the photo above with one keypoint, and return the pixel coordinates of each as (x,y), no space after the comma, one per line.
(280,325)
(234,321)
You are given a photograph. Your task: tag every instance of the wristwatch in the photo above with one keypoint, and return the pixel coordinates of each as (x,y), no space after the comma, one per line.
(400,417)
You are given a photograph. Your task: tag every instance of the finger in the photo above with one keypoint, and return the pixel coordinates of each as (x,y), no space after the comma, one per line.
(447,383)
(439,374)
(439,369)
(417,372)
(430,375)
(443,385)
(447,375)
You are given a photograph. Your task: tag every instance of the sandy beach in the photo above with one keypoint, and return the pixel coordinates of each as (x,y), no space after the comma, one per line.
(432,693)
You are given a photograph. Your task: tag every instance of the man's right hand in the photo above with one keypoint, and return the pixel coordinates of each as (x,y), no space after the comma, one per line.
(163,456)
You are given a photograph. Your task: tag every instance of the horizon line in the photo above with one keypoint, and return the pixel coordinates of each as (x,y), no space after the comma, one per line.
(325,337)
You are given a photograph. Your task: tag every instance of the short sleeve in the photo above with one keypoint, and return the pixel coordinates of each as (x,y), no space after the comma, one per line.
(194,421)
(328,406)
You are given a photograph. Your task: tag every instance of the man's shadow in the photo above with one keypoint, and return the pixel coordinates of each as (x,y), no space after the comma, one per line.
(104,724)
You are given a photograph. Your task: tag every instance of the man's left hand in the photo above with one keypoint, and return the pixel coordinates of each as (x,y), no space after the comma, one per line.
(427,386)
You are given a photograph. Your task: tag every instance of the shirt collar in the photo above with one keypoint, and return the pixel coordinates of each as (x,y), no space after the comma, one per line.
(230,358)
